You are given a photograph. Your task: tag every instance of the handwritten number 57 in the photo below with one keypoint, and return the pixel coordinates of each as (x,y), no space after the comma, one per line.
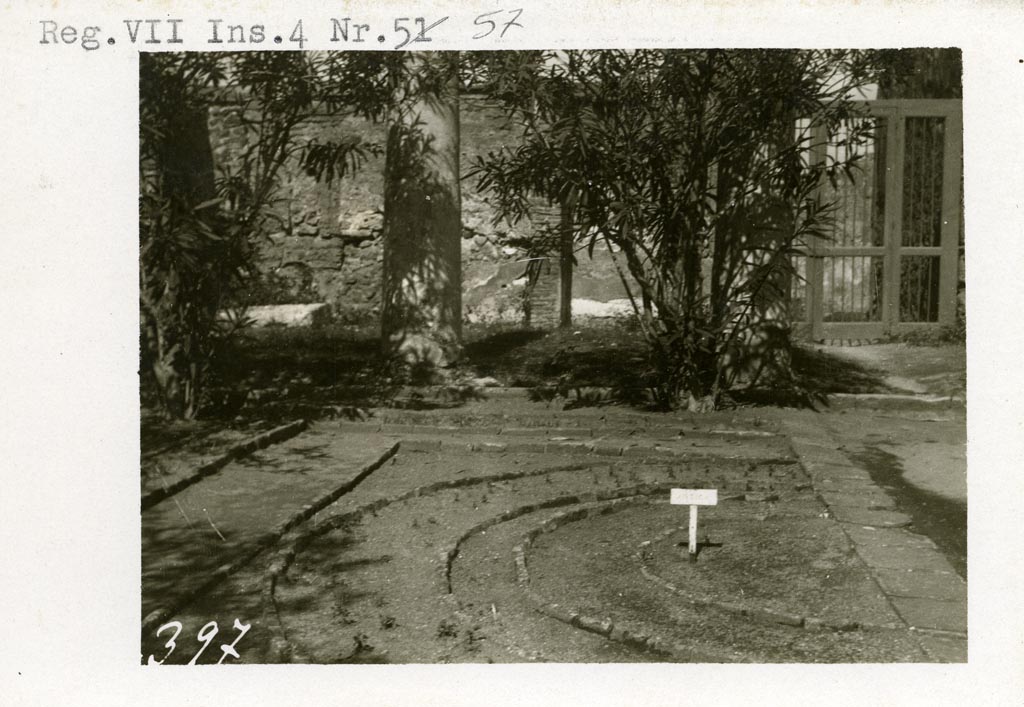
(482,20)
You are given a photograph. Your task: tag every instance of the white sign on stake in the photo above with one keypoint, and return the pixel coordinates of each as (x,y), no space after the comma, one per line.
(693,498)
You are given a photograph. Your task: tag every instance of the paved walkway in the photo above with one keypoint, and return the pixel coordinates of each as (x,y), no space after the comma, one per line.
(919,581)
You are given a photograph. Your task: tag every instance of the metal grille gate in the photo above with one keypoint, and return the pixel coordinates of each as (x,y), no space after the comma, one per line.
(891,264)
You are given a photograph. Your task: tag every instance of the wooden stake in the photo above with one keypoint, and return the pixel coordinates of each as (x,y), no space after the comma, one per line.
(693,498)
(693,533)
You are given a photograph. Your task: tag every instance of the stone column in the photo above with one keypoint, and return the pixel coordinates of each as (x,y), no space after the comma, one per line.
(422,281)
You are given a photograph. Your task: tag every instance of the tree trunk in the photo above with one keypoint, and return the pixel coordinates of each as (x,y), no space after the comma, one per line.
(186,168)
(565,262)
(422,282)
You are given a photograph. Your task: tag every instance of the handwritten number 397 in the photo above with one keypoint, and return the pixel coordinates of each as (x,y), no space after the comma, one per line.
(205,635)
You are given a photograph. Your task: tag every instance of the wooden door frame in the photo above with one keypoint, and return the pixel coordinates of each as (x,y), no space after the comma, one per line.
(896,111)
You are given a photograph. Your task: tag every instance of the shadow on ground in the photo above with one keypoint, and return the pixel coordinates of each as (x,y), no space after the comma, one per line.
(827,373)
(944,520)
(275,374)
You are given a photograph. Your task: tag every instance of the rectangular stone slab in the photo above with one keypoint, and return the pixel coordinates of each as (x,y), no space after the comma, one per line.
(903,557)
(932,613)
(922,584)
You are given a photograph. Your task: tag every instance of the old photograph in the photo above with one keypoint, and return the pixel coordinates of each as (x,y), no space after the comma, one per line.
(624,355)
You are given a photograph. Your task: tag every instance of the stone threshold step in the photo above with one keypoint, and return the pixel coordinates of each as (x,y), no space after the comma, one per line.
(659,432)
(600,448)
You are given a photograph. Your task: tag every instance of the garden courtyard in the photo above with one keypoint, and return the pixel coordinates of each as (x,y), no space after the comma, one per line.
(520,513)
(432,340)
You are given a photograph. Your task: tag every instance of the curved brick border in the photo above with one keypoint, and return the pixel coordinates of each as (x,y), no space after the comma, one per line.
(626,633)
(235,451)
(613,495)
(605,502)
(755,613)
(267,540)
(294,542)
(282,650)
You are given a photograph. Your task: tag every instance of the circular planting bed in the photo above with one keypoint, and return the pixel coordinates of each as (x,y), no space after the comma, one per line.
(581,563)
(792,568)
(623,570)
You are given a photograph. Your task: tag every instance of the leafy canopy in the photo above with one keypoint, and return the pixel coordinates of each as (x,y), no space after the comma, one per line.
(699,168)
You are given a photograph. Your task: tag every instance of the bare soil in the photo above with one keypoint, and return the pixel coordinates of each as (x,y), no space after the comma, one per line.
(425,570)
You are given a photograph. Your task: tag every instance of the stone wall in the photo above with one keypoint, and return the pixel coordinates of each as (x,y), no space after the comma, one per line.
(327,244)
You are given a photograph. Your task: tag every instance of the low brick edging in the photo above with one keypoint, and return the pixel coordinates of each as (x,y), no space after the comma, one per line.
(387,425)
(267,540)
(294,544)
(584,440)
(580,448)
(901,401)
(626,633)
(300,538)
(451,552)
(614,498)
(285,651)
(234,452)
(756,613)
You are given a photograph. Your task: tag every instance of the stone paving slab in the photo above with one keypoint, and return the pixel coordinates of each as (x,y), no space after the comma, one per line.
(921,584)
(902,557)
(919,581)
(858,515)
(846,485)
(869,499)
(885,537)
(519,412)
(932,613)
(895,401)
(652,432)
(945,649)
(835,472)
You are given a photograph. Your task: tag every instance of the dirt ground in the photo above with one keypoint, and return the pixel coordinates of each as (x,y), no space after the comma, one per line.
(507,529)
